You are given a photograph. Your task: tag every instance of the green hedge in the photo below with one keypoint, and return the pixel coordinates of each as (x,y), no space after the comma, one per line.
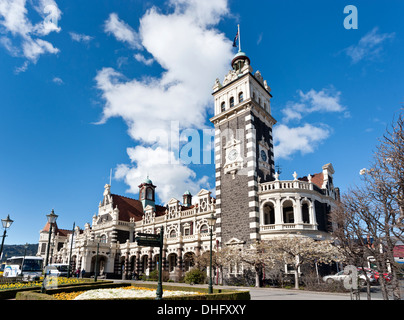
(218,294)
(12,293)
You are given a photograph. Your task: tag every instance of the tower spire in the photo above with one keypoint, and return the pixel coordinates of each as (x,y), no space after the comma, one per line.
(239,38)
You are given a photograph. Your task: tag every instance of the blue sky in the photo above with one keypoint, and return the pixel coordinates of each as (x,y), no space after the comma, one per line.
(85,86)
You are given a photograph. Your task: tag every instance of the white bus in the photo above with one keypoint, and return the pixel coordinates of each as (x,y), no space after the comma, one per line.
(28,267)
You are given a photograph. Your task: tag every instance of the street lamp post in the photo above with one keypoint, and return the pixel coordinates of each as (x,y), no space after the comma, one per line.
(6,224)
(211,222)
(51,220)
(70,253)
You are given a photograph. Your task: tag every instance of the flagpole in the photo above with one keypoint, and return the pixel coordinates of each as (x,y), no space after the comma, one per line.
(239,38)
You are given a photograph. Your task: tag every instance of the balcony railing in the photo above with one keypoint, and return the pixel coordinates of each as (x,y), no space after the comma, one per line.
(287,226)
(286,184)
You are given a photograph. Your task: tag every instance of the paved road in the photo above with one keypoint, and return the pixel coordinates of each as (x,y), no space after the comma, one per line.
(286,294)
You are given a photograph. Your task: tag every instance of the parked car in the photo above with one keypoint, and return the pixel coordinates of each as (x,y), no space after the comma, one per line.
(57,269)
(341,276)
(376,274)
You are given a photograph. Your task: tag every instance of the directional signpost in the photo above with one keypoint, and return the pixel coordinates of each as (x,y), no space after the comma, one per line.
(154,240)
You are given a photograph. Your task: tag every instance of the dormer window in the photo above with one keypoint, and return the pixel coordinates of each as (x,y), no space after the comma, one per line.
(231,102)
(240,97)
(223,107)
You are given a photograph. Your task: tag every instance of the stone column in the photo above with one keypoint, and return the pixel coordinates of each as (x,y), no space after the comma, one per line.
(179,263)
(278,212)
(312,211)
(298,211)
(126,267)
(138,262)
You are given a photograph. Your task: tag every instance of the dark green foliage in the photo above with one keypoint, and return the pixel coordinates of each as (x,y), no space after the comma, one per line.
(195,276)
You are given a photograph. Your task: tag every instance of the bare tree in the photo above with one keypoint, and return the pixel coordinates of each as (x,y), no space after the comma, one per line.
(376,209)
(297,250)
(258,255)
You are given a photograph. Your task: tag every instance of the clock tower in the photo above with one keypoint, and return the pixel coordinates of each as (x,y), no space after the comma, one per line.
(243,150)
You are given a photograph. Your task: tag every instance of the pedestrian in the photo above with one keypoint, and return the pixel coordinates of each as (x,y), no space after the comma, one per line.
(83,273)
(77,272)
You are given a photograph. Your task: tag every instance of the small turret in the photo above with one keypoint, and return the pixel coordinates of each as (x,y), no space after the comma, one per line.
(187,199)
(147,193)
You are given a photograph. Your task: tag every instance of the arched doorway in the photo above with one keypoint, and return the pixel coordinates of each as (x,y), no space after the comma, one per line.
(288,212)
(269,213)
(172,262)
(189,261)
(306,211)
(102,264)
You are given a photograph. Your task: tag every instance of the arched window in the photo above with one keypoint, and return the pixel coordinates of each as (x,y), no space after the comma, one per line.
(305,212)
(223,107)
(269,213)
(287,209)
(231,102)
(204,228)
(240,97)
(103,239)
(149,194)
(173,234)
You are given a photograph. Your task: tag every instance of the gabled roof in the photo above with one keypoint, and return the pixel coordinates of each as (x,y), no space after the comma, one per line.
(128,208)
(62,232)
(132,208)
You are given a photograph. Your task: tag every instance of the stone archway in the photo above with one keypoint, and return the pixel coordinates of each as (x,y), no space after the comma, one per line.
(102,264)
(189,261)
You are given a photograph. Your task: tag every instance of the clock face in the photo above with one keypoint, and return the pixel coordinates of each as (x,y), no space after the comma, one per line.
(232,155)
(263,155)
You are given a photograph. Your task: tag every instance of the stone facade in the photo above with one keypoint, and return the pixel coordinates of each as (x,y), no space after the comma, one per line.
(251,202)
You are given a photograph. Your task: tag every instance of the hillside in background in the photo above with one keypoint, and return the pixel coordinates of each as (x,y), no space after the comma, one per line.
(18,250)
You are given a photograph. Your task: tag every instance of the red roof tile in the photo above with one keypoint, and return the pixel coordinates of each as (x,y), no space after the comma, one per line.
(62,232)
(132,208)
(316,178)
(128,208)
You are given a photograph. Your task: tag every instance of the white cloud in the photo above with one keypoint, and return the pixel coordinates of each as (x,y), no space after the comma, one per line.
(141,58)
(78,37)
(325,100)
(18,28)
(122,31)
(192,54)
(369,46)
(303,139)
(57,80)
(172,180)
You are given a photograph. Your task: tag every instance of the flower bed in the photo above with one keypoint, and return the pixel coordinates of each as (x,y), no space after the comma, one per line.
(9,290)
(110,291)
(119,293)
